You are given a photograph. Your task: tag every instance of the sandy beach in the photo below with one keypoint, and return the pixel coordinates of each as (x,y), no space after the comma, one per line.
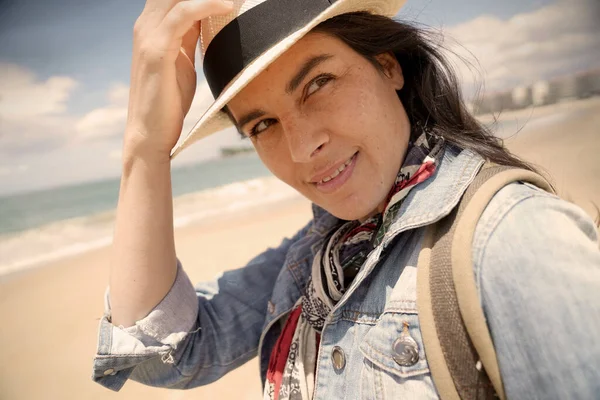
(50,314)
(563,141)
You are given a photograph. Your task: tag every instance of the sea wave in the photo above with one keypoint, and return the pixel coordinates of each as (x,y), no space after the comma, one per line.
(57,240)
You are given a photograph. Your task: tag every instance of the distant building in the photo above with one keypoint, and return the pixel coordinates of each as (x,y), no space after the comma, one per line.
(494,102)
(230,151)
(564,88)
(522,96)
(540,93)
(471,107)
(588,83)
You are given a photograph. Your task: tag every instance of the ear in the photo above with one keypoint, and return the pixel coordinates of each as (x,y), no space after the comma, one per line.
(391,69)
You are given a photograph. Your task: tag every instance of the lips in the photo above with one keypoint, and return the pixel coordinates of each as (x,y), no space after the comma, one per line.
(336,172)
(332,172)
(334,177)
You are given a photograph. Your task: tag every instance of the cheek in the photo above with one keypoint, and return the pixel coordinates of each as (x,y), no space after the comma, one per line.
(278,161)
(376,122)
(368,114)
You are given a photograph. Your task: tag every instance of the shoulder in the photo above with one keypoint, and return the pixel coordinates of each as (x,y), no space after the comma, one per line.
(535,246)
(526,232)
(522,219)
(537,267)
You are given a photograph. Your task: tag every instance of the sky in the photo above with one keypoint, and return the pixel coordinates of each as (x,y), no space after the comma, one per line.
(64,73)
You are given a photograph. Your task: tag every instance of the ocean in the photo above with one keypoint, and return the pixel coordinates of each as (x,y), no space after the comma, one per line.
(42,226)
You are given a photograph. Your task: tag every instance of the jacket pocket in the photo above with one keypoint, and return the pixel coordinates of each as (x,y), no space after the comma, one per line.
(394,364)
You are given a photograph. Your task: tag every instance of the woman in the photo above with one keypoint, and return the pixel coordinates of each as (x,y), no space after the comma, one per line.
(363,116)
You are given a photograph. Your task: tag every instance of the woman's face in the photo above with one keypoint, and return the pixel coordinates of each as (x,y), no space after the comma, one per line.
(327,122)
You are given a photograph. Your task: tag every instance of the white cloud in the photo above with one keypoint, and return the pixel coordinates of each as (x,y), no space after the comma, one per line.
(104,122)
(33,112)
(34,117)
(23,97)
(107,121)
(118,95)
(110,120)
(542,44)
(13,169)
(115,154)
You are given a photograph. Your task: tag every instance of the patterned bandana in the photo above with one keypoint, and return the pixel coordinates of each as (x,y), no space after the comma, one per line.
(290,375)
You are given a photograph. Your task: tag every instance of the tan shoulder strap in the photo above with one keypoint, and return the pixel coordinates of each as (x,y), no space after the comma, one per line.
(453,325)
(462,266)
(440,372)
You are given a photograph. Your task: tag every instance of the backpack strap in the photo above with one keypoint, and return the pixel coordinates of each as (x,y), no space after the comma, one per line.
(458,345)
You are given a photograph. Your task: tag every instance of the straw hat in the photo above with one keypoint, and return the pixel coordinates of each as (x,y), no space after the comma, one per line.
(237,47)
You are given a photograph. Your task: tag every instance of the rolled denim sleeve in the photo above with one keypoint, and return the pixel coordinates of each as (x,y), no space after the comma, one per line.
(155,336)
(192,337)
(537,265)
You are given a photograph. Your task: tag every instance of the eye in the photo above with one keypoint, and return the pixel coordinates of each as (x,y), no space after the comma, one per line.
(317,83)
(261,126)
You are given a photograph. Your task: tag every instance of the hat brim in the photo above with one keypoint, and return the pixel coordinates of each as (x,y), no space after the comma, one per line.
(214,120)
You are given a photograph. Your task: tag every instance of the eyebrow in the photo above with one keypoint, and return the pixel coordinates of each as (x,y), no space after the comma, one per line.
(305,70)
(252,115)
(293,84)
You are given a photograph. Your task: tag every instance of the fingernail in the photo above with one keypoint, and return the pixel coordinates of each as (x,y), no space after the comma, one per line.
(228,3)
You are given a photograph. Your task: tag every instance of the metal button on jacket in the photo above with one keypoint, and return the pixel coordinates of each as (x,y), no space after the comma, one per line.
(338,358)
(405,350)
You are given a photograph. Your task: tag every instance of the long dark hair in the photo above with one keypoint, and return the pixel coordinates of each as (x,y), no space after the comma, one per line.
(431,94)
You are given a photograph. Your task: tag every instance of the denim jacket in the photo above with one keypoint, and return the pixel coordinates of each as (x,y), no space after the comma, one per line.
(537,266)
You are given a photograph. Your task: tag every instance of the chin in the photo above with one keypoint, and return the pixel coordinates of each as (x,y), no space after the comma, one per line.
(351,213)
(353,207)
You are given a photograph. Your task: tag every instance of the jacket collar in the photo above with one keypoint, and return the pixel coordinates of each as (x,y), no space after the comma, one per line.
(435,198)
(429,201)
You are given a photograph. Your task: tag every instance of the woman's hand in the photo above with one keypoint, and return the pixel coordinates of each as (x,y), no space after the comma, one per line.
(163,82)
(163,77)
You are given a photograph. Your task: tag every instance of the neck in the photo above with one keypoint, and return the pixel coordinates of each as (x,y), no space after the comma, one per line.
(380,209)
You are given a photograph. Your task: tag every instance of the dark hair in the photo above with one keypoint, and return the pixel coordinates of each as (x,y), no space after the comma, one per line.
(431,94)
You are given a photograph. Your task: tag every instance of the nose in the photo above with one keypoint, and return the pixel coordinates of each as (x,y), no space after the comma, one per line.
(305,138)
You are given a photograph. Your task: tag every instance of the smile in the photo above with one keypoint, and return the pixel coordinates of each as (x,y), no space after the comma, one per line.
(337,171)
(336,178)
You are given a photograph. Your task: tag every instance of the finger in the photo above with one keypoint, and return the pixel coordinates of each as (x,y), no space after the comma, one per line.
(180,19)
(190,41)
(155,10)
(160,4)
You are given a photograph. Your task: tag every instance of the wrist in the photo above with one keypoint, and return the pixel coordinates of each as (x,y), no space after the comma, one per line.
(137,147)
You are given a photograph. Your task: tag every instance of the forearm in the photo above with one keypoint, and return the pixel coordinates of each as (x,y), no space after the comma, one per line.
(143,265)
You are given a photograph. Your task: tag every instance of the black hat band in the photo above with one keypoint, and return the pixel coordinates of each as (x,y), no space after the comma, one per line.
(249,35)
